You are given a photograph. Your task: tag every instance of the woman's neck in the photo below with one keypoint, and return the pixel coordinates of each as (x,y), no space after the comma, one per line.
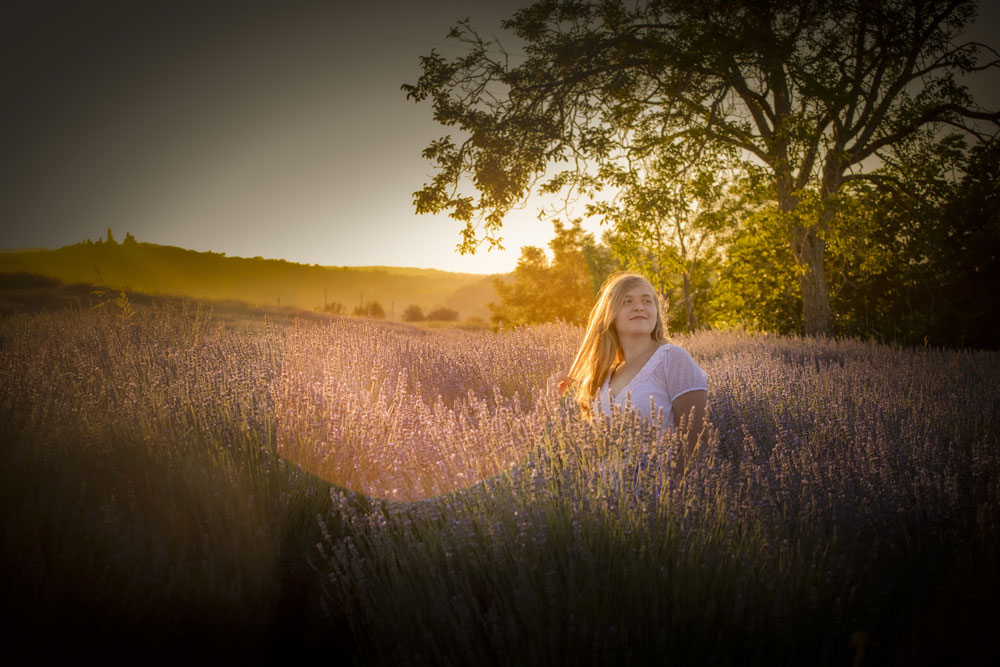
(636,346)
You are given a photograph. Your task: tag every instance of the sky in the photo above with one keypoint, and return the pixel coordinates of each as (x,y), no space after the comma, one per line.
(274,129)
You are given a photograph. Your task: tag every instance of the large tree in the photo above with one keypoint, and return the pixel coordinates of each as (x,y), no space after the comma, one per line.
(812,91)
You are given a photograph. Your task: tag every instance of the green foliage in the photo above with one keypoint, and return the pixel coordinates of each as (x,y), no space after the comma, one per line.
(757,288)
(917,256)
(670,222)
(565,288)
(808,92)
(413,313)
(370,309)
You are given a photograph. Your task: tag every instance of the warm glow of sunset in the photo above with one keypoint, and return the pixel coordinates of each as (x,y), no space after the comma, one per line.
(728,392)
(280,132)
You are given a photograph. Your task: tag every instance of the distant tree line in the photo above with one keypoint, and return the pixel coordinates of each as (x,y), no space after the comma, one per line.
(412,313)
(334,307)
(110,240)
(415,313)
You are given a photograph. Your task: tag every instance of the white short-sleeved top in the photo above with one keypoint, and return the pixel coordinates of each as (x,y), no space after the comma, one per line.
(667,374)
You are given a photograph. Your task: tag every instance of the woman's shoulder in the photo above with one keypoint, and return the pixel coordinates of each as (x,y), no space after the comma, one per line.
(677,364)
(672,351)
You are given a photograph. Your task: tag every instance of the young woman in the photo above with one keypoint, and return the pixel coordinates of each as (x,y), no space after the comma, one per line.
(625,359)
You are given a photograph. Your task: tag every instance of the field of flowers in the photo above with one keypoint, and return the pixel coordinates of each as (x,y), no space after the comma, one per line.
(170,476)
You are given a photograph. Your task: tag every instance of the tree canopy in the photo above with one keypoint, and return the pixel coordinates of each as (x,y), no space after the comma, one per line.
(670,226)
(918,256)
(811,94)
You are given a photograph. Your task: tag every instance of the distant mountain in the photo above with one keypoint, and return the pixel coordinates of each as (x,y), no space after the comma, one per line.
(152,268)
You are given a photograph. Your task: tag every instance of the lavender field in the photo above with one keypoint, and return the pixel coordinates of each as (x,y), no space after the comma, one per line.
(171,476)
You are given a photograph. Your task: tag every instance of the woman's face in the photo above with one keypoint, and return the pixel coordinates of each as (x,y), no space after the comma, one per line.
(637,314)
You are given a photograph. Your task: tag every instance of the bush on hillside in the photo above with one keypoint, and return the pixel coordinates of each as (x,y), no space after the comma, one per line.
(443,315)
(413,313)
(371,309)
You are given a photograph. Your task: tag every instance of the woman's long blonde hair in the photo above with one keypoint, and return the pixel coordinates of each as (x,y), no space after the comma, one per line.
(601,349)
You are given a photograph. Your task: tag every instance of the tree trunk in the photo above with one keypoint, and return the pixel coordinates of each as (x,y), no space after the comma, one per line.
(810,250)
(688,304)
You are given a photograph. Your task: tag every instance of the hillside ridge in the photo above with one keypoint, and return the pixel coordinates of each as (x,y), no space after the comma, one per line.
(166,269)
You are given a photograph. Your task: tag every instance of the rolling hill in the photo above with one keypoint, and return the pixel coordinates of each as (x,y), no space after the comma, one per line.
(160,269)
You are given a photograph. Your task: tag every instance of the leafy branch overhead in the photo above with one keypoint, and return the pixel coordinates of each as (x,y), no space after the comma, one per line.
(813,93)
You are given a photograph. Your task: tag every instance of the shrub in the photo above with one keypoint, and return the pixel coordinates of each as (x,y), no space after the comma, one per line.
(443,315)
(371,309)
(413,313)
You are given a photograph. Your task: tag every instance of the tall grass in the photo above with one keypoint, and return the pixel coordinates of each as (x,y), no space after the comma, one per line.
(844,507)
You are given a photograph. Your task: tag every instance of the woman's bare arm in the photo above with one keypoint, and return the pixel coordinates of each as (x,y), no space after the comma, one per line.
(690,408)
